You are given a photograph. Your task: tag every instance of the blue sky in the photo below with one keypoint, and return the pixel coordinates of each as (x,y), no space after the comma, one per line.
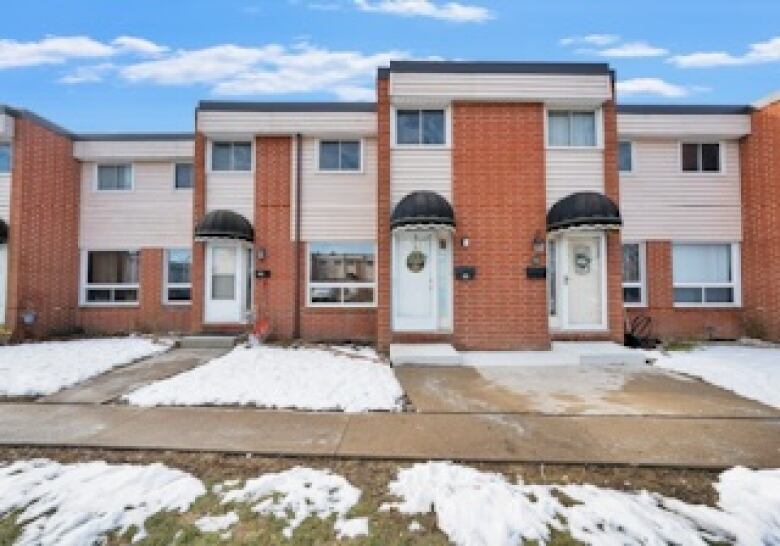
(116,65)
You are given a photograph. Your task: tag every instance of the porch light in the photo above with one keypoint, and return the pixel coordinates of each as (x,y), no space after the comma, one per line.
(538,243)
(260,253)
(464,242)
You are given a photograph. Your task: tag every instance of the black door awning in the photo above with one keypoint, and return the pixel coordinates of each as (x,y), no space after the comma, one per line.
(422,208)
(584,209)
(224,224)
(3,232)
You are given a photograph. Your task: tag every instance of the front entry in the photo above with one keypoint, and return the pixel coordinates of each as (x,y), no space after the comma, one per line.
(228,283)
(422,281)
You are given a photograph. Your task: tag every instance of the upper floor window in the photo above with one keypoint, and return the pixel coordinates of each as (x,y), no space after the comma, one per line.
(704,274)
(5,157)
(571,128)
(115,177)
(625,156)
(700,157)
(340,155)
(426,127)
(182,178)
(231,156)
(633,274)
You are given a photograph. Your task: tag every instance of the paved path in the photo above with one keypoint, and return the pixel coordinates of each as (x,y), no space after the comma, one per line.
(645,440)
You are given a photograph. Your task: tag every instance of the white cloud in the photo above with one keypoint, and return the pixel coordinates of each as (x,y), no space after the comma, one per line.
(87,74)
(50,50)
(355,93)
(761,52)
(633,49)
(450,11)
(138,45)
(590,39)
(655,86)
(597,44)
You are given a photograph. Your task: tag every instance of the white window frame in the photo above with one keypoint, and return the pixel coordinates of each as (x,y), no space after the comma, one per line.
(598,120)
(167,285)
(239,139)
(10,157)
(342,305)
(632,145)
(174,167)
(84,286)
(642,284)
(735,284)
(699,173)
(447,128)
(96,186)
(359,170)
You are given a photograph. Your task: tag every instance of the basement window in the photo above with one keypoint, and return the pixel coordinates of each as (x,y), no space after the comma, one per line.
(111,277)
(342,274)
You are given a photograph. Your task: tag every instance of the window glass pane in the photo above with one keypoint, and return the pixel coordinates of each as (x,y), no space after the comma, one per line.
(631,265)
(223,261)
(690,157)
(710,157)
(687,295)
(242,156)
(583,129)
(98,295)
(326,295)
(107,177)
(632,294)
(329,155)
(124,177)
(342,262)
(125,294)
(179,294)
(703,263)
(221,156)
(624,157)
(110,267)
(719,295)
(5,157)
(407,129)
(350,155)
(183,176)
(433,126)
(179,266)
(358,295)
(558,128)
(223,287)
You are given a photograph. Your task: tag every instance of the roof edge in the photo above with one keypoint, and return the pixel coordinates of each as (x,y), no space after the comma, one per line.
(684,109)
(499,67)
(35,118)
(132,137)
(291,107)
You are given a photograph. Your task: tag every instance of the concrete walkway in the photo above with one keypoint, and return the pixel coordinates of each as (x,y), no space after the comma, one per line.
(633,440)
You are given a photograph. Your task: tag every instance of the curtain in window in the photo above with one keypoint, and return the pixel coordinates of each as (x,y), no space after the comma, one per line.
(583,129)
(558,128)
(702,263)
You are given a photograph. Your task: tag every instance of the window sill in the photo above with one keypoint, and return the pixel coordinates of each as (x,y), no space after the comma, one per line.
(575,148)
(177,303)
(634,305)
(707,306)
(232,173)
(345,306)
(421,147)
(110,304)
(338,171)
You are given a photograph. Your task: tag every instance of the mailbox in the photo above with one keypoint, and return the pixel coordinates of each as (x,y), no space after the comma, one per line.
(536,272)
(262,273)
(465,272)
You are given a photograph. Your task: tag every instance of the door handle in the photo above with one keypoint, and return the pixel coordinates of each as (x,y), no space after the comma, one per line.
(565,279)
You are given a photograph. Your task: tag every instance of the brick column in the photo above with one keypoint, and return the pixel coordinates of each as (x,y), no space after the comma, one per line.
(197,274)
(383,238)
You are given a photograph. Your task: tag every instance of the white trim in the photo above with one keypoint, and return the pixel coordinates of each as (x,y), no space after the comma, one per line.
(96,176)
(174,165)
(339,171)
(642,284)
(341,305)
(209,145)
(84,286)
(735,284)
(699,173)
(447,109)
(598,122)
(166,285)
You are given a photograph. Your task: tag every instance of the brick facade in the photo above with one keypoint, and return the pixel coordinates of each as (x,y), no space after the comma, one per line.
(383,241)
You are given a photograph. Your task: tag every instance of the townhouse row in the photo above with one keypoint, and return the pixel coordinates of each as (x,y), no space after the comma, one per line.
(487,205)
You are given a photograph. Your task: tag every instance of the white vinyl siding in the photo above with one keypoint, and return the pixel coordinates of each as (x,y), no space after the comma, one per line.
(420,169)
(6,127)
(154,214)
(137,150)
(337,205)
(658,201)
(276,123)
(683,126)
(5,197)
(231,191)
(573,170)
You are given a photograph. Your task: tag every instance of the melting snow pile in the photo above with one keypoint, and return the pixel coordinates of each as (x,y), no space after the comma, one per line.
(44,368)
(752,372)
(478,508)
(80,503)
(215,524)
(299,493)
(277,377)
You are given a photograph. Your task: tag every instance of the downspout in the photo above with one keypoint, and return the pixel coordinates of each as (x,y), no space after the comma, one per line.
(298,189)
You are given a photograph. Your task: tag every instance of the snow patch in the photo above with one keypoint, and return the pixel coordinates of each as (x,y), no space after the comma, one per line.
(277,377)
(299,493)
(415,526)
(33,369)
(73,504)
(216,524)
(478,508)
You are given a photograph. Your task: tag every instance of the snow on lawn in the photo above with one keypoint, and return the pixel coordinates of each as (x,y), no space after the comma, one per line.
(75,504)
(478,508)
(278,377)
(299,493)
(44,368)
(752,372)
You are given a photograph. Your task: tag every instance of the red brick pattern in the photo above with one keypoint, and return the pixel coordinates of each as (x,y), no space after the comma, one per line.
(198,249)
(383,241)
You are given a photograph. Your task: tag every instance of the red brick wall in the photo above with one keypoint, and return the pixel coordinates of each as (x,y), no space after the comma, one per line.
(383,241)
(760,161)
(499,202)
(43,239)
(671,322)
(198,249)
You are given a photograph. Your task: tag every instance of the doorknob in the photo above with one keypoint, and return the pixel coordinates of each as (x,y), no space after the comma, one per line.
(565,279)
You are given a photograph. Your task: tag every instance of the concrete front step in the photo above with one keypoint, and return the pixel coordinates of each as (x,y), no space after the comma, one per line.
(208,342)
(424,354)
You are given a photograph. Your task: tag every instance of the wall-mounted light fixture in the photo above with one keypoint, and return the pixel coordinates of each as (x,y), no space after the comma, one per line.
(538,243)
(464,242)
(260,253)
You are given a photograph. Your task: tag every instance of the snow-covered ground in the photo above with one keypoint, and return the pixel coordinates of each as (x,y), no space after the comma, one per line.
(74,504)
(277,377)
(34,369)
(752,372)
(476,508)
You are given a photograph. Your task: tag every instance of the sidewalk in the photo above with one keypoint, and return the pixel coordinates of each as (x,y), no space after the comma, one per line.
(632,440)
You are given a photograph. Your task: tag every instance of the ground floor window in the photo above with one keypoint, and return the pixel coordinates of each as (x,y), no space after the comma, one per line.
(177,282)
(110,277)
(342,274)
(633,274)
(705,274)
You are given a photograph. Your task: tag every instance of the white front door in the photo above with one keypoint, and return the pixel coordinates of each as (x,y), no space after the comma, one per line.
(584,282)
(413,287)
(225,283)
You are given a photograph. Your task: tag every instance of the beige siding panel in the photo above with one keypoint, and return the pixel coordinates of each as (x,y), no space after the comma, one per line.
(146,149)
(658,201)
(5,197)
(153,214)
(570,171)
(521,87)
(420,169)
(649,125)
(231,191)
(6,127)
(278,123)
(338,206)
